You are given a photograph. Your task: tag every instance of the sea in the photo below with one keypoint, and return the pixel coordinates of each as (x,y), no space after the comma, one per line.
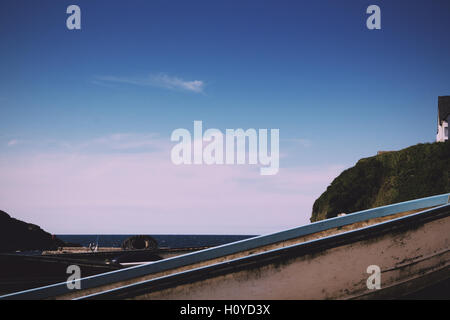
(164,240)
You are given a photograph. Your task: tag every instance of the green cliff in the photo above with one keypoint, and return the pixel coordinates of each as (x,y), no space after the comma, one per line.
(415,172)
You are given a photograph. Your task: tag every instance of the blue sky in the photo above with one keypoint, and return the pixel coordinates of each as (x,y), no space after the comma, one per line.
(336,90)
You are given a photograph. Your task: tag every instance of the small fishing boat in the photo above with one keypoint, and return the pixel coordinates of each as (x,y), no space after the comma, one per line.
(381,253)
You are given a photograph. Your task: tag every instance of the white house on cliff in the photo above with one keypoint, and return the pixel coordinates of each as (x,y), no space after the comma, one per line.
(443,118)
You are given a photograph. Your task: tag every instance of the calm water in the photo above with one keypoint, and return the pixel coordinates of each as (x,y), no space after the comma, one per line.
(169,240)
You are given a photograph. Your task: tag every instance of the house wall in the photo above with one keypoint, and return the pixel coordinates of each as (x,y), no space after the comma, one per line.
(442,134)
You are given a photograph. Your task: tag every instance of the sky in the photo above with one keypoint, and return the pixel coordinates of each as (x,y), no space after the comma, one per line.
(86,115)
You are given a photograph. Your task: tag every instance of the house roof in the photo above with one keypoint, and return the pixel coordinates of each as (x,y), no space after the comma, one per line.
(444,108)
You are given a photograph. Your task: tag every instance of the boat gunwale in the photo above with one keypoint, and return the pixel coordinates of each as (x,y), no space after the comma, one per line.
(278,255)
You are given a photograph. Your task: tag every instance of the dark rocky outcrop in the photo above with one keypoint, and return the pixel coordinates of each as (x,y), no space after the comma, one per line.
(16,235)
(419,171)
(140,242)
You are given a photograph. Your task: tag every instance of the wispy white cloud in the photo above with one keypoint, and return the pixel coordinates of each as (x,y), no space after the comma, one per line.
(122,142)
(161,80)
(12,142)
(109,143)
